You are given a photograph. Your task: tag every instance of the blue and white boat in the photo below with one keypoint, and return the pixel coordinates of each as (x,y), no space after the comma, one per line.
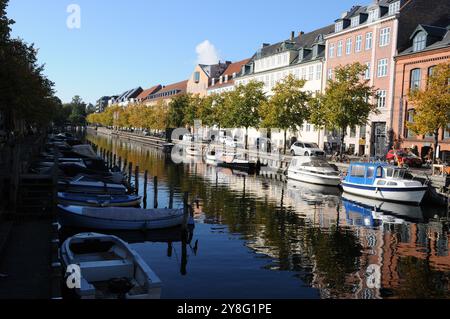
(384,182)
(92,200)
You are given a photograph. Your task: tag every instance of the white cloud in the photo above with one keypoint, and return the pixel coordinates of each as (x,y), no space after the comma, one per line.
(207,53)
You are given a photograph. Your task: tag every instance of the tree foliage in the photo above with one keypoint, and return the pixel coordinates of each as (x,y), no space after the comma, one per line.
(347,101)
(288,107)
(432,105)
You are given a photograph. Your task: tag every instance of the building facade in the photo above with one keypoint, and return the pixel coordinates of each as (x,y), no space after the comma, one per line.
(429,46)
(146,93)
(226,81)
(202,77)
(373,35)
(301,56)
(167,93)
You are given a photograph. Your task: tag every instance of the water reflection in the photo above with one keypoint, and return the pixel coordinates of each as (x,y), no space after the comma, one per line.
(305,241)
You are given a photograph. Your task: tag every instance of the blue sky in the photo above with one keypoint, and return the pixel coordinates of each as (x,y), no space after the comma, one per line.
(125,44)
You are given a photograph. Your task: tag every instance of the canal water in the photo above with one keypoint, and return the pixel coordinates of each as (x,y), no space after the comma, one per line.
(257,237)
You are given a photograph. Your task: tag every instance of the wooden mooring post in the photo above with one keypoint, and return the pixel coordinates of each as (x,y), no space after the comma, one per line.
(119,164)
(114,160)
(130,172)
(155,192)
(145,188)
(185,211)
(136,180)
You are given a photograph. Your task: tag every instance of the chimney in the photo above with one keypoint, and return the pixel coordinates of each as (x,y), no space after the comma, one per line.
(300,35)
(292,36)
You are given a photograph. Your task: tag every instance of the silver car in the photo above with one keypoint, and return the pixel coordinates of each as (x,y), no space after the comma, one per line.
(306,149)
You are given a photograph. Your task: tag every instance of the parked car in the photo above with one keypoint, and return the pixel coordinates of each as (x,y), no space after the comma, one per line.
(230,142)
(306,149)
(405,157)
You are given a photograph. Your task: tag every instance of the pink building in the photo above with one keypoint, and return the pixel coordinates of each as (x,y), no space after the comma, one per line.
(373,35)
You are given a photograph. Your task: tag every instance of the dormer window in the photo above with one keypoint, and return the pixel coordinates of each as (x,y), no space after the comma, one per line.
(234,75)
(373,15)
(226,78)
(394,8)
(339,26)
(221,80)
(420,41)
(355,21)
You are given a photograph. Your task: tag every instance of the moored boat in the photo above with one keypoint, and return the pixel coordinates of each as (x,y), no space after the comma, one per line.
(78,185)
(93,200)
(233,161)
(193,151)
(109,268)
(118,218)
(314,170)
(384,182)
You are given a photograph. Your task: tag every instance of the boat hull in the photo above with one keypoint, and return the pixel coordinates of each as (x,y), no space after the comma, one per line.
(412,195)
(314,178)
(98,201)
(70,217)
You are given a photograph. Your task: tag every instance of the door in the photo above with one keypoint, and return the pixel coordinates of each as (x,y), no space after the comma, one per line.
(379,138)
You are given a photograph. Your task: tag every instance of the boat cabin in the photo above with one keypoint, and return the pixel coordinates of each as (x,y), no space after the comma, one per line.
(367,173)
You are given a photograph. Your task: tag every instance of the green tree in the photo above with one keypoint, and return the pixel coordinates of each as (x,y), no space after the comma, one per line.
(177,107)
(244,103)
(432,105)
(288,108)
(346,102)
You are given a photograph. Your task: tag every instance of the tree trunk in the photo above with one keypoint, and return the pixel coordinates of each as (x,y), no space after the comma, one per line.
(285,141)
(436,144)
(342,144)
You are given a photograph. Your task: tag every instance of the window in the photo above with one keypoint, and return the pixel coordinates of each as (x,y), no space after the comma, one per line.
(348,47)
(381,98)
(303,73)
(308,127)
(358,171)
(373,15)
(353,132)
(415,79)
(410,116)
(370,172)
(330,74)
(368,71)
(339,26)
(311,73)
(368,40)
(394,8)
(319,72)
(358,43)
(385,35)
(197,77)
(382,68)
(355,21)
(339,48)
(420,41)
(447,131)
(331,51)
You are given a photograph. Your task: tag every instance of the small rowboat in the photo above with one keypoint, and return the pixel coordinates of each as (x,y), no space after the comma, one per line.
(118,218)
(99,200)
(108,269)
(78,185)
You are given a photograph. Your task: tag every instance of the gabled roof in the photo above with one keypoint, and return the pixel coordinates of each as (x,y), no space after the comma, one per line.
(235,67)
(304,40)
(434,31)
(439,34)
(169,91)
(180,86)
(148,92)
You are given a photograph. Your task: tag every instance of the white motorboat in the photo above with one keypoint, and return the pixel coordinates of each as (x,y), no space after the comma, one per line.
(314,170)
(119,218)
(384,182)
(109,268)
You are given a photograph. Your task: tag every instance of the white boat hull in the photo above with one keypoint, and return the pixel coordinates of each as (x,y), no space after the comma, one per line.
(314,178)
(409,195)
(72,216)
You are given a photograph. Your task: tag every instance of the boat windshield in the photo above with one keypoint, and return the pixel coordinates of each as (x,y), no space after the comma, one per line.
(397,173)
(316,163)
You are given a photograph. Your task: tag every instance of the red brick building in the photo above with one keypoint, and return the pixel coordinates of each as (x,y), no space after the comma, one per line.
(430,46)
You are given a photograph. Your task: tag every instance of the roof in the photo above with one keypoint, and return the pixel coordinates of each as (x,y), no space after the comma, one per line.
(169,91)
(148,92)
(304,40)
(235,67)
(439,34)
